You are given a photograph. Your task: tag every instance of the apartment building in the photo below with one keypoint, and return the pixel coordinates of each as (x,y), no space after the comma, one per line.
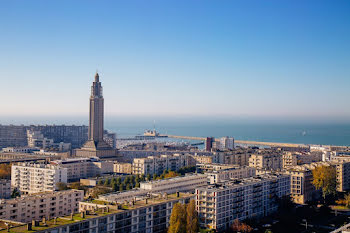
(226,143)
(255,197)
(158,164)
(124,168)
(142,215)
(202,167)
(343,174)
(35,207)
(31,178)
(80,168)
(5,189)
(266,161)
(186,183)
(302,190)
(290,159)
(237,172)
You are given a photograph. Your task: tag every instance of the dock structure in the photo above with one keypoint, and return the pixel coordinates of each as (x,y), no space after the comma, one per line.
(271,144)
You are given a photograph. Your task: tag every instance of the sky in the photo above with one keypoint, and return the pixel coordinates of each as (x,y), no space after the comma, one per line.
(252,58)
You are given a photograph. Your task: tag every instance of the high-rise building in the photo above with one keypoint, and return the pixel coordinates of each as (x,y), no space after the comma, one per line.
(95,146)
(35,178)
(209,143)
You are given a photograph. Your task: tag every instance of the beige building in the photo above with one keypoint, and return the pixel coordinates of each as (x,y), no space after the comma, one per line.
(80,168)
(158,164)
(5,188)
(125,168)
(31,178)
(36,207)
(266,161)
(205,159)
(343,174)
(290,159)
(301,188)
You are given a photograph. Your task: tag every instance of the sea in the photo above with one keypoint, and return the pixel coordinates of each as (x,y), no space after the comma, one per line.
(318,132)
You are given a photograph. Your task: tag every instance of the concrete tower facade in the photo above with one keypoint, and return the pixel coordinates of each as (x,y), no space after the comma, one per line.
(95,146)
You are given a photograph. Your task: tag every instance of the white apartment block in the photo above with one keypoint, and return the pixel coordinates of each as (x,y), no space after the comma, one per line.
(186,183)
(35,207)
(236,172)
(158,164)
(31,178)
(226,143)
(80,168)
(220,204)
(266,161)
(5,188)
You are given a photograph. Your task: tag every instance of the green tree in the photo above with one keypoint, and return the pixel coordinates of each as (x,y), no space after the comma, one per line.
(121,187)
(100,182)
(154,176)
(137,179)
(115,186)
(142,177)
(128,187)
(178,219)
(192,225)
(15,193)
(137,185)
(119,180)
(325,178)
(107,182)
(148,177)
(61,186)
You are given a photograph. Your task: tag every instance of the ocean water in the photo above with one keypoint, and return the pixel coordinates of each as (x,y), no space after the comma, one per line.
(269,130)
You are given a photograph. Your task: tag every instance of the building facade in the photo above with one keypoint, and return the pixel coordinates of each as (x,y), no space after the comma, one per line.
(5,189)
(158,164)
(237,172)
(44,205)
(220,204)
(266,161)
(31,178)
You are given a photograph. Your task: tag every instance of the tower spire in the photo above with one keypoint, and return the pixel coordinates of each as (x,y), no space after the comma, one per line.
(97,77)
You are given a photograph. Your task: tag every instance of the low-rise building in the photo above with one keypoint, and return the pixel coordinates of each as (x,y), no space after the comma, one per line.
(202,167)
(5,189)
(38,206)
(31,178)
(186,183)
(220,204)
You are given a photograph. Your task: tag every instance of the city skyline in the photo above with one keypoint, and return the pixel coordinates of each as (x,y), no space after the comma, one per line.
(174,59)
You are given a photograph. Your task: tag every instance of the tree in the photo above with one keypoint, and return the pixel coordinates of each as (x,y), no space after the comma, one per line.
(137,185)
(325,178)
(154,176)
(171,174)
(241,227)
(106,182)
(192,225)
(100,182)
(128,187)
(115,186)
(148,177)
(61,186)
(177,219)
(15,193)
(96,191)
(119,180)
(75,185)
(121,187)
(5,171)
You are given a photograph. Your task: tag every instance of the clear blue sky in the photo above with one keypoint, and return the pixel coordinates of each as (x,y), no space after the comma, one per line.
(233,58)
